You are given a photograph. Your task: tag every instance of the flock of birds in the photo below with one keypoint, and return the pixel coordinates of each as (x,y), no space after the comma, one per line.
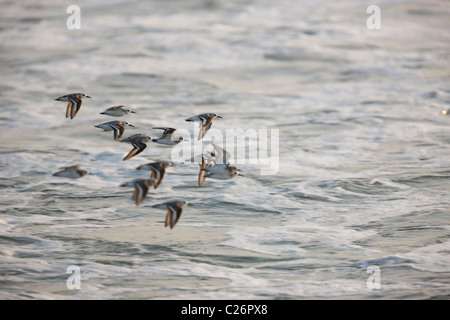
(213,164)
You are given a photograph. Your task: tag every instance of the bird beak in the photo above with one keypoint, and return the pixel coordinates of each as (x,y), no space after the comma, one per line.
(132,126)
(219,117)
(87,97)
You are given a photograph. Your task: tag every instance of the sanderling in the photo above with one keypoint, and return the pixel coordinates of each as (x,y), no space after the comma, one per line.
(174,210)
(206,122)
(74,103)
(157,170)
(141,187)
(221,169)
(117,126)
(72,172)
(117,111)
(166,137)
(139,144)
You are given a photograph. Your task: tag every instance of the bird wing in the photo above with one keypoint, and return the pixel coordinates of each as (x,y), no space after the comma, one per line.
(204,127)
(135,151)
(220,154)
(157,174)
(119,129)
(138,147)
(140,191)
(202,172)
(76,104)
(173,214)
(167,131)
(69,108)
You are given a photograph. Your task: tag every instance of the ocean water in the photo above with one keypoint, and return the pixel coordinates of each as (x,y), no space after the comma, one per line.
(362,155)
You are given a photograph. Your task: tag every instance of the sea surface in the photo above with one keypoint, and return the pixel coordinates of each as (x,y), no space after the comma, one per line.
(357,205)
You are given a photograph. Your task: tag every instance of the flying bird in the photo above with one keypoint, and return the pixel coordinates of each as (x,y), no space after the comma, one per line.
(74,103)
(174,211)
(117,126)
(216,165)
(139,143)
(141,187)
(157,170)
(72,172)
(218,171)
(117,111)
(205,122)
(166,137)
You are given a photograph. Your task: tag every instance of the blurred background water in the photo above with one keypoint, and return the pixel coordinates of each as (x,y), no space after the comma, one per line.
(364,149)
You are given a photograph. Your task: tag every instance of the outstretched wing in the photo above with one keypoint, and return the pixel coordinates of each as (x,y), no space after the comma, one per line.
(138,147)
(135,151)
(69,108)
(140,191)
(221,156)
(119,129)
(167,131)
(202,172)
(157,173)
(173,214)
(75,103)
(205,125)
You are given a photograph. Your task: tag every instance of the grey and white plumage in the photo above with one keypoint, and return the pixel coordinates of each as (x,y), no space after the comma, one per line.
(219,171)
(117,126)
(72,172)
(141,187)
(157,170)
(216,165)
(222,171)
(174,211)
(205,120)
(138,141)
(73,103)
(117,111)
(167,138)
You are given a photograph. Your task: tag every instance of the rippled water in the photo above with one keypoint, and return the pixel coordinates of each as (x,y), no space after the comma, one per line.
(364,164)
